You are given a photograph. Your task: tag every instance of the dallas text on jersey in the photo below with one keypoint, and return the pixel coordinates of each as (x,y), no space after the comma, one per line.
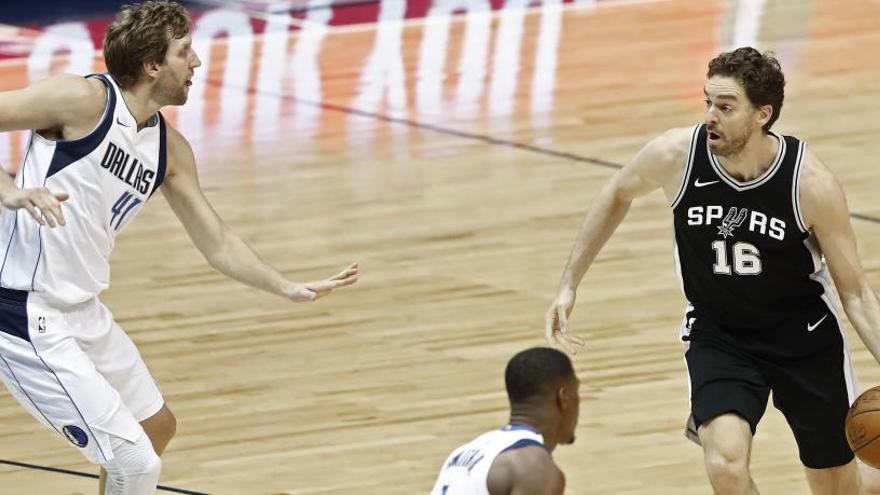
(116,160)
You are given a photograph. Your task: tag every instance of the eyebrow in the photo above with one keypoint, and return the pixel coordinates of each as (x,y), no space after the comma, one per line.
(721,97)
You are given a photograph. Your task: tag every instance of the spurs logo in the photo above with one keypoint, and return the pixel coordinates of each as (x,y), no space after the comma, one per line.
(735,217)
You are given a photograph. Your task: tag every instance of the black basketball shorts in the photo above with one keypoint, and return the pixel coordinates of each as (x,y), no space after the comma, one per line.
(806,366)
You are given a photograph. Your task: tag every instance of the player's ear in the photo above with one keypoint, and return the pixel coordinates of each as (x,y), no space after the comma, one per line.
(764,114)
(561,401)
(567,394)
(151,69)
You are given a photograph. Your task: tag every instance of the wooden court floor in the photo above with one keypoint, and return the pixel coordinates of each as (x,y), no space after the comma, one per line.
(453,159)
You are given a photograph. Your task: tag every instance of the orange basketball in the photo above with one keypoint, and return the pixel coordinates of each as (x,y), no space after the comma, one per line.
(863,427)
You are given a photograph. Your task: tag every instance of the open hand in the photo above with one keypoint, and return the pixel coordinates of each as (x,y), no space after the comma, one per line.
(43,205)
(556,323)
(310,291)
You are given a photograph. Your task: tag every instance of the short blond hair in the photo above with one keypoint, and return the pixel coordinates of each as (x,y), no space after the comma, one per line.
(141,34)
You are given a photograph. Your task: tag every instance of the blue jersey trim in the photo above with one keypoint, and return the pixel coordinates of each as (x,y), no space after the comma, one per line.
(525,442)
(163,154)
(39,255)
(68,152)
(78,411)
(13,313)
(23,391)
(9,244)
(14,295)
(16,212)
(520,427)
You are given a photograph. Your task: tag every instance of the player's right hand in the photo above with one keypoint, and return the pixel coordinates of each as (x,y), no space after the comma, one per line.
(43,205)
(311,291)
(556,323)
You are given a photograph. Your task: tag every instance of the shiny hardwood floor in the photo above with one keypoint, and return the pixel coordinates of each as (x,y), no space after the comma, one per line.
(402,145)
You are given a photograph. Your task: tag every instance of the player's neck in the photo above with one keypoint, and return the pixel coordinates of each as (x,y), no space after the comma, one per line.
(754,159)
(140,103)
(535,421)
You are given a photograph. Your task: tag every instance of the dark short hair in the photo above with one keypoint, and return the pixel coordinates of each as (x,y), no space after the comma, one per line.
(141,34)
(534,372)
(759,73)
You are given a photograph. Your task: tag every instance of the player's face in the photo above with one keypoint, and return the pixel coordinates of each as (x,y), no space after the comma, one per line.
(731,119)
(177,71)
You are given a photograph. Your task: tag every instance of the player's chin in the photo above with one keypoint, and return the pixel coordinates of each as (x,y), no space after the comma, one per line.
(570,440)
(181,97)
(718,150)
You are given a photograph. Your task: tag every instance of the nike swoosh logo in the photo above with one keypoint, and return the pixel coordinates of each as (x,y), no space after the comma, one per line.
(697,183)
(812,327)
(121,123)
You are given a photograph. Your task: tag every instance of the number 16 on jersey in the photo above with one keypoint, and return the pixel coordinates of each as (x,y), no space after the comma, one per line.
(746,258)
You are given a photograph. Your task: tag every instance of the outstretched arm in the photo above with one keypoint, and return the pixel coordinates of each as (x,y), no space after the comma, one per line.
(224,250)
(827,215)
(62,107)
(658,164)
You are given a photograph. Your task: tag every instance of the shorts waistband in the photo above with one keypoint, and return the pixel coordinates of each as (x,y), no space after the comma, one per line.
(14,295)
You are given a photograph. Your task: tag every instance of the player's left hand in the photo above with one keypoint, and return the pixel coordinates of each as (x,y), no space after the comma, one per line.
(311,291)
(556,323)
(44,206)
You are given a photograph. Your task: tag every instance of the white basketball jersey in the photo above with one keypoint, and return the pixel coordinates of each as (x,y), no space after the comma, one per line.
(465,470)
(109,174)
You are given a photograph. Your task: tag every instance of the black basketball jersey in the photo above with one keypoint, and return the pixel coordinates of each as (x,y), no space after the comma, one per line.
(744,255)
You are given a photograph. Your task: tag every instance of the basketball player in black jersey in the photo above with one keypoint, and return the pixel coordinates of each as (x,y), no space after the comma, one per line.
(754,213)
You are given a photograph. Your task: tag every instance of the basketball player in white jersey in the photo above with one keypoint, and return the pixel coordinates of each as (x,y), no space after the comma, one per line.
(759,221)
(516,459)
(100,148)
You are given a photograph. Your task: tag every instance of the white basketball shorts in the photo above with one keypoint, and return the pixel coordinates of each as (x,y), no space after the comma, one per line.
(76,371)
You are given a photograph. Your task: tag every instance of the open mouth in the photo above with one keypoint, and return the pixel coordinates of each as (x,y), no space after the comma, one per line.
(713,137)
